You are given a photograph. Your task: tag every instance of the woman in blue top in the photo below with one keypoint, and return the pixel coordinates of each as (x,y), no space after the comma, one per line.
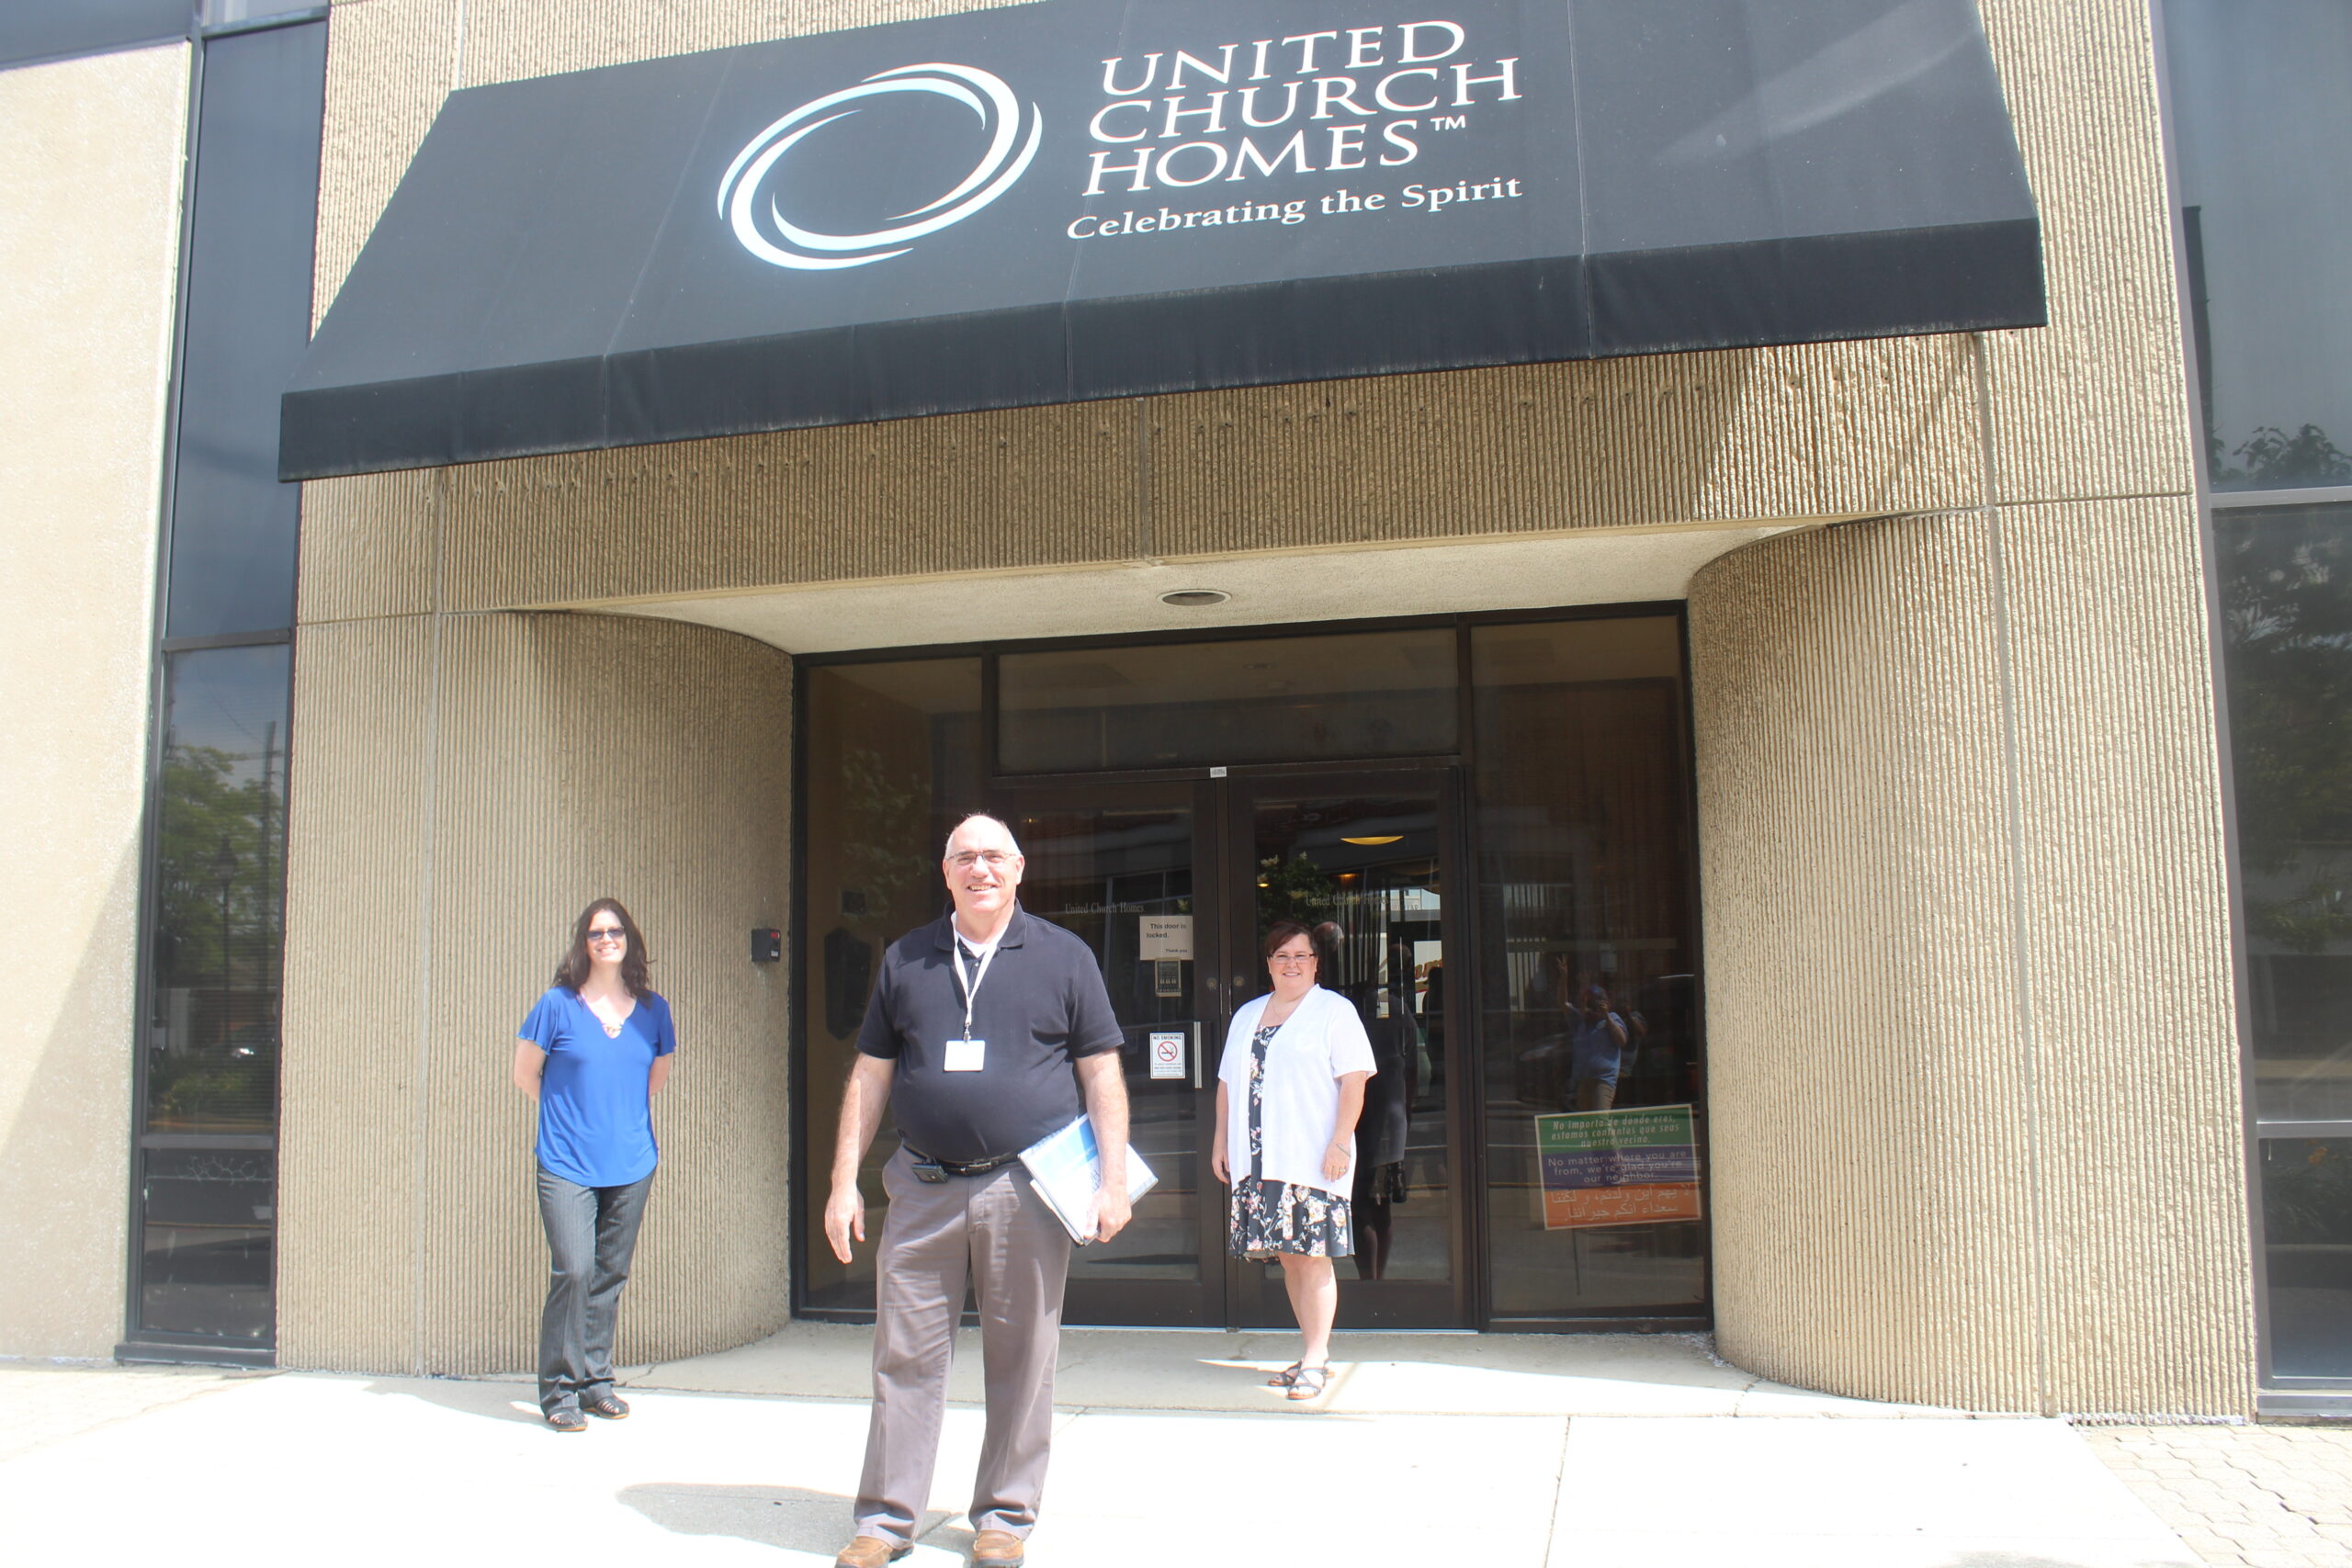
(593,1053)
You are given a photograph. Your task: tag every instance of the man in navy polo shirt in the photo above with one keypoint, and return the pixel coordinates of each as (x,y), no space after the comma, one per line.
(988,1030)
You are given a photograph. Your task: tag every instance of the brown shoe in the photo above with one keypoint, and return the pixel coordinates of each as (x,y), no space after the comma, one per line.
(869,1551)
(997,1549)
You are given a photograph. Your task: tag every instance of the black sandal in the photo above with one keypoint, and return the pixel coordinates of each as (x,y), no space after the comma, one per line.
(1309,1382)
(1284,1378)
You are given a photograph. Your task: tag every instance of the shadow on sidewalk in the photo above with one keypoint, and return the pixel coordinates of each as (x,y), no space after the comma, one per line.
(490,1401)
(792,1518)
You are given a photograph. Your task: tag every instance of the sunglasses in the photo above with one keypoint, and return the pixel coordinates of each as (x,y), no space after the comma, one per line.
(607,933)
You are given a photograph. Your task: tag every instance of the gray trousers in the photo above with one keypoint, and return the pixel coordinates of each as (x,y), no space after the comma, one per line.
(591,1232)
(997,1235)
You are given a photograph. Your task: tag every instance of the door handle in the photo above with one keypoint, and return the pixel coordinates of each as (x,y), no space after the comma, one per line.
(1195,1027)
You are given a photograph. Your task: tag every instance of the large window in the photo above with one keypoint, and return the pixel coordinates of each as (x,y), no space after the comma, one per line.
(1487,822)
(1359,695)
(891,762)
(207,1138)
(2262,126)
(2287,620)
(1586,918)
(203,1218)
(2262,99)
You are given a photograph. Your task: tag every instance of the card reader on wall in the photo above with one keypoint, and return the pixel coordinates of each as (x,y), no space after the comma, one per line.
(767,945)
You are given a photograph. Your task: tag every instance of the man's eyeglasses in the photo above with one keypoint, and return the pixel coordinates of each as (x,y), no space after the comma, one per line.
(964,860)
(607,933)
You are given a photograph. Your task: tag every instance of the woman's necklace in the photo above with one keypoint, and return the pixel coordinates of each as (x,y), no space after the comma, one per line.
(612,1025)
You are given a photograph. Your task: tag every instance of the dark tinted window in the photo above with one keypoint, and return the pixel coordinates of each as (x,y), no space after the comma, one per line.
(892,759)
(2287,621)
(208,1136)
(31,29)
(248,303)
(1363,694)
(2286,609)
(2307,1226)
(1590,995)
(2262,98)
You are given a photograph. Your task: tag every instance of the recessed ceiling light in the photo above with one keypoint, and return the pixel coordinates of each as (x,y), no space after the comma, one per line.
(1376,839)
(1196,598)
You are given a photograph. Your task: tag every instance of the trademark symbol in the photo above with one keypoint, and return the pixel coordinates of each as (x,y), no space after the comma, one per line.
(1449,122)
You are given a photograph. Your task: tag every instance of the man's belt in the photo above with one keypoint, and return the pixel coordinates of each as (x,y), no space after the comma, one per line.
(924,1165)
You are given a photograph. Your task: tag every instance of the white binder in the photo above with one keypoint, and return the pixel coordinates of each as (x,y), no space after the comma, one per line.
(1065,1167)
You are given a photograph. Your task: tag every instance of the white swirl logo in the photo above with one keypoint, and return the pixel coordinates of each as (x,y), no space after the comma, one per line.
(768,235)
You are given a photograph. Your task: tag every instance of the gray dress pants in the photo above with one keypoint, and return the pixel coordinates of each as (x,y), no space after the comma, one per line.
(997,1235)
(591,1233)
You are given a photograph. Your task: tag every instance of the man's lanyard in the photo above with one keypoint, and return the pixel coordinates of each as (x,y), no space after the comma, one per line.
(971,985)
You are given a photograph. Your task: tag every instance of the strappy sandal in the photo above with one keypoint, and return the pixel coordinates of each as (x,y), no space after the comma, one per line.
(1308,1382)
(1284,1378)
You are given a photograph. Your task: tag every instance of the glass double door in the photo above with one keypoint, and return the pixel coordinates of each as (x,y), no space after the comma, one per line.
(1172,885)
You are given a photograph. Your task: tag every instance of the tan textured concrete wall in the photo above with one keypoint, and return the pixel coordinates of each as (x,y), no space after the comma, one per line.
(1960,812)
(466,783)
(1972,1059)
(90,160)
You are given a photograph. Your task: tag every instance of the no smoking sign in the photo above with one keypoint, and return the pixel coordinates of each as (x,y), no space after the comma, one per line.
(1167,1054)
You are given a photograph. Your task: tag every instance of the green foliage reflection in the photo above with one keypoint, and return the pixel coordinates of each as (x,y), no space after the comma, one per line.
(2287,587)
(1294,889)
(218,936)
(2272,459)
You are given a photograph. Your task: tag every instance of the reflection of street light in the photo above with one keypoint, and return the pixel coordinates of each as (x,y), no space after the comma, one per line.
(224,867)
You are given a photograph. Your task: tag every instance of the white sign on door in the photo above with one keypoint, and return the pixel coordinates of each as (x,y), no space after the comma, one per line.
(1167,1054)
(1166,936)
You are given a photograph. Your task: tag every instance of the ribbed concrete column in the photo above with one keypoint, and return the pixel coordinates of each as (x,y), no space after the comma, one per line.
(1974,1078)
(462,787)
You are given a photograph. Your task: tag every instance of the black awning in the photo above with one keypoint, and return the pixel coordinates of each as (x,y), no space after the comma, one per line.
(1089,199)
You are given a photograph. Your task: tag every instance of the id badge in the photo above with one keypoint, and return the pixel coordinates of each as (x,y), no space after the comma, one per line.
(966,1056)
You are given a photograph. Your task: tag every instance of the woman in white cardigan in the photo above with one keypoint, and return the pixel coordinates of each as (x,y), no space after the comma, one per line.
(1288,1093)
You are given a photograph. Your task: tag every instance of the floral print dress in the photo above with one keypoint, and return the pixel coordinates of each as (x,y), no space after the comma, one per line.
(1281,1216)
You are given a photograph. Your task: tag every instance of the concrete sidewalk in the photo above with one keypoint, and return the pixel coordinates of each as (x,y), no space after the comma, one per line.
(1213,1370)
(1191,1464)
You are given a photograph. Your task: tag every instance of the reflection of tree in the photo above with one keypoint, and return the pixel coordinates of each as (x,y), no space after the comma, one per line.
(219,935)
(886,823)
(2288,622)
(1294,889)
(2272,459)
(211,853)
(2307,1201)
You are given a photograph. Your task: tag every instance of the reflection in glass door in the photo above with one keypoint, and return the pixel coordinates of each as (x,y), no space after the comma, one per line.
(1114,866)
(1361,860)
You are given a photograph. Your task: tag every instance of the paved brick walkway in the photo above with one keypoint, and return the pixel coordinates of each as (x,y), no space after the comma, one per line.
(2258,1496)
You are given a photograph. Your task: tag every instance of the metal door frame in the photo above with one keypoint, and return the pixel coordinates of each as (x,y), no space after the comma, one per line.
(1142,1302)
(1456,1303)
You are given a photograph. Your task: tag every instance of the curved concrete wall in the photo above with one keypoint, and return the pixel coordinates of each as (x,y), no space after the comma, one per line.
(462,787)
(1973,1072)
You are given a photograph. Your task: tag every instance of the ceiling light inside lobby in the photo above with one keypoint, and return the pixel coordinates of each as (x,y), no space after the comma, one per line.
(1196,598)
